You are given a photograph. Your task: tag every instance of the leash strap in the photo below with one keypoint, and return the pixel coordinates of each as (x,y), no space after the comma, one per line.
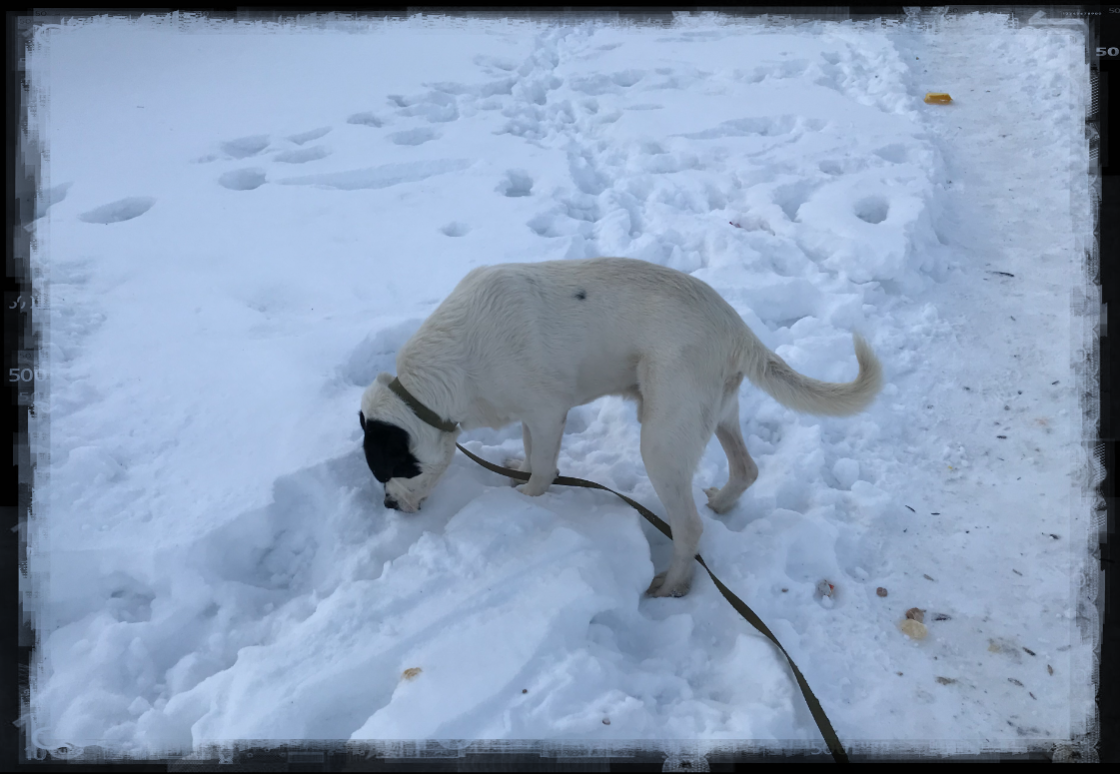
(830,738)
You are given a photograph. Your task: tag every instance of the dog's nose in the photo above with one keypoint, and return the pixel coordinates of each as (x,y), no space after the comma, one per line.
(391,503)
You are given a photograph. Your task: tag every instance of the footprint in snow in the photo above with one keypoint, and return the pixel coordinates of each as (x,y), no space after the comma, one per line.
(595,84)
(791,197)
(495,63)
(627,78)
(548,225)
(436,106)
(306,137)
(584,170)
(302,155)
(842,167)
(571,217)
(455,229)
(241,148)
(833,73)
(365,119)
(417,136)
(773,71)
(895,153)
(872,209)
(119,211)
(516,183)
(130,600)
(243,179)
(244,147)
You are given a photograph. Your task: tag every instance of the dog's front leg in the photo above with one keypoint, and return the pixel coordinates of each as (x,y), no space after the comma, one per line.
(521,463)
(546,433)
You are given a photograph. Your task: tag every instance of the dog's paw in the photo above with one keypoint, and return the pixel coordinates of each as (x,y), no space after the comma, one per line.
(714,501)
(532,491)
(657,587)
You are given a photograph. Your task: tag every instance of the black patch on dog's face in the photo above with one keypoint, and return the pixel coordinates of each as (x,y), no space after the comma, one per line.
(386,448)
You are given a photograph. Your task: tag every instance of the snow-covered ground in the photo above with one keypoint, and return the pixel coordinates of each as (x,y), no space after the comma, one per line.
(242,225)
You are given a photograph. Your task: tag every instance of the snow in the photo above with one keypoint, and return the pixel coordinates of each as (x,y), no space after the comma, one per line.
(241,224)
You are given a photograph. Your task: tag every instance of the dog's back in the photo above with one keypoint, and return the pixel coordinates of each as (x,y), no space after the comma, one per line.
(583,325)
(635,303)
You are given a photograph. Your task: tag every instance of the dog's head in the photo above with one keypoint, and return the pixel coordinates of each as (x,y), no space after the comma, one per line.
(404,453)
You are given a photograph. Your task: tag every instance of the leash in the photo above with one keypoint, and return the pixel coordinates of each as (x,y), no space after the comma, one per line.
(830,738)
(433,419)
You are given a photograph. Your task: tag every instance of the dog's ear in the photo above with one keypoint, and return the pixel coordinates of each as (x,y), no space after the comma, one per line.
(362,420)
(387,451)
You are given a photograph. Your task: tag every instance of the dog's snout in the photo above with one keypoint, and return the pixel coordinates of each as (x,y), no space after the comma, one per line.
(391,503)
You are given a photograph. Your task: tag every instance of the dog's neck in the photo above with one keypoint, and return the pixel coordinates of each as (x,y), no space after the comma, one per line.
(440,376)
(425,414)
(452,400)
(433,389)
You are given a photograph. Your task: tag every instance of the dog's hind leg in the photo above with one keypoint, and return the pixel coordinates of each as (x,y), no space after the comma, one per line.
(546,432)
(742,470)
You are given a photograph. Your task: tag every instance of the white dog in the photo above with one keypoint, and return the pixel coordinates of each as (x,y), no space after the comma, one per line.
(528,341)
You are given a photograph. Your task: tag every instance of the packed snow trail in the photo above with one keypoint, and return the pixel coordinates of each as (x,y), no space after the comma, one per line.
(1006,411)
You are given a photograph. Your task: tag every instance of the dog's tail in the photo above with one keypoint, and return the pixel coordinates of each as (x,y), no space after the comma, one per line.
(810,396)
